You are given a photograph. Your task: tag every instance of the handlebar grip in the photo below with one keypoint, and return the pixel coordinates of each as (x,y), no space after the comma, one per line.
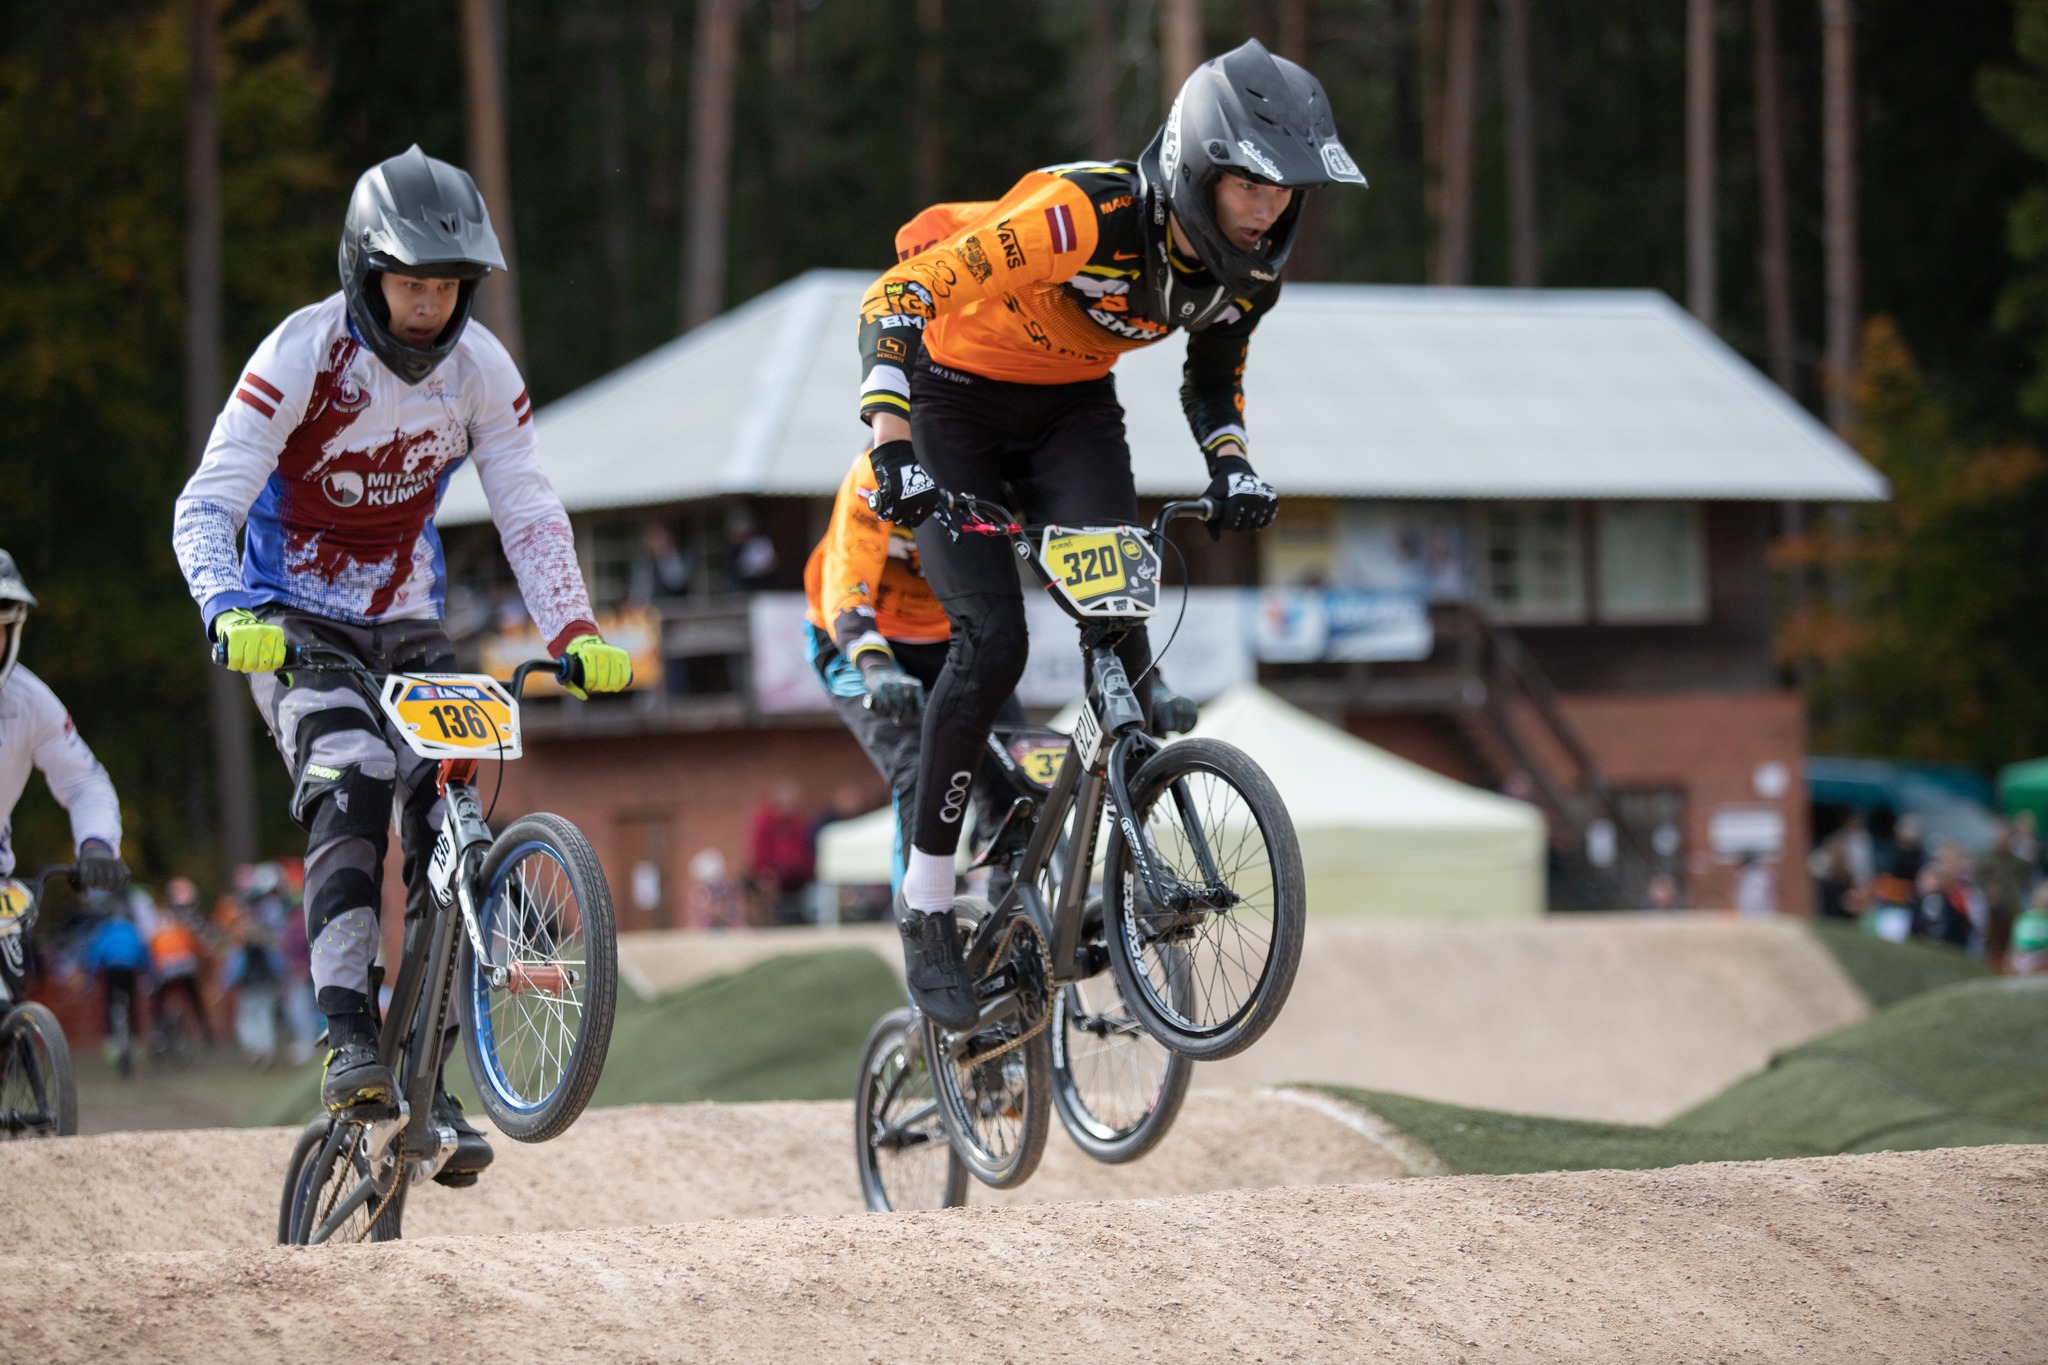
(569,671)
(293,654)
(220,654)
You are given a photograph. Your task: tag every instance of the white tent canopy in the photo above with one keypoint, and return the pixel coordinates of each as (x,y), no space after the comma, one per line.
(1379,835)
(1358,391)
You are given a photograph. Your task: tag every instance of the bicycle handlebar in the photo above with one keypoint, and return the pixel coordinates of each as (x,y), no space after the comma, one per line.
(319,658)
(996,519)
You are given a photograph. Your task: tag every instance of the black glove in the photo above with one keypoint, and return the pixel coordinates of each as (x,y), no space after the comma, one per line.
(100,868)
(1244,501)
(892,693)
(904,493)
(1172,714)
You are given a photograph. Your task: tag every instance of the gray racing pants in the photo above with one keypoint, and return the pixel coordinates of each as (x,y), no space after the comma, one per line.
(350,770)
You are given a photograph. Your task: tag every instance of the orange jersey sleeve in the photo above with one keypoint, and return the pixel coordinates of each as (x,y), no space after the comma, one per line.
(862,583)
(1042,232)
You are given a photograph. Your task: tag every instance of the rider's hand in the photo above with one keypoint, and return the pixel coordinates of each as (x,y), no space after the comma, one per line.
(100,868)
(904,493)
(1172,714)
(254,645)
(1244,501)
(606,668)
(892,693)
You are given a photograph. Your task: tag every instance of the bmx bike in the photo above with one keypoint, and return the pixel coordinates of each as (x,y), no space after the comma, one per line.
(518,942)
(1198,927)
(38,1089)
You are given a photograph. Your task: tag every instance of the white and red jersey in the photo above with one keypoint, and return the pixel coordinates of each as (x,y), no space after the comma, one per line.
(36,732)
(335,466)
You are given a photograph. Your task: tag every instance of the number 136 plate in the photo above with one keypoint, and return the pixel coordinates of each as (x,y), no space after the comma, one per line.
(453,715)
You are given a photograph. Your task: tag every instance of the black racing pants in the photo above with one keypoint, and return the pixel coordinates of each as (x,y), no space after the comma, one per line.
(1060,450)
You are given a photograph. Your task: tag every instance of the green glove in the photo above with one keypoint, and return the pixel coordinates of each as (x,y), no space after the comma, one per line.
(606,668)
(254,645)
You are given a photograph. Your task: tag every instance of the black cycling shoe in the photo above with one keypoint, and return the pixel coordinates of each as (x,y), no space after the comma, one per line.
(1172,714)
(353,1076)
(932,964)
(472,1150)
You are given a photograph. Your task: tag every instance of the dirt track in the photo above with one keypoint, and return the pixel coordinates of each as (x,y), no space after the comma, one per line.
(631,1167)
(1622,1018)
(1930,1256)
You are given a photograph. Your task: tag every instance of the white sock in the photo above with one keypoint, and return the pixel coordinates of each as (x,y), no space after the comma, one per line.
(928,881)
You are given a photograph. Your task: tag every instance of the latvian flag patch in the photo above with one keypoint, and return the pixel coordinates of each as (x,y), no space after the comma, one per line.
(255,390)
(1059,219)
(522,407)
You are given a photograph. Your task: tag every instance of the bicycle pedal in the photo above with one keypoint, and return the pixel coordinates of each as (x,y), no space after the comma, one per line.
(456,1180)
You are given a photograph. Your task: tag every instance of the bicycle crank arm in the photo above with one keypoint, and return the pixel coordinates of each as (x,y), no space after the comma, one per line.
(425,1168)
(381,1132)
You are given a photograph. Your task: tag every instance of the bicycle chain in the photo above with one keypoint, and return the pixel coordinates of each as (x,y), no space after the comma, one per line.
(1045,964)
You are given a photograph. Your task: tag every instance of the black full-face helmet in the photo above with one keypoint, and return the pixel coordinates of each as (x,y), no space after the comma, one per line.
(414,215)
(1246,113)
(15,600)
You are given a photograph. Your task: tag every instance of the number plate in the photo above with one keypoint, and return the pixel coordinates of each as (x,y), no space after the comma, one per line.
(453,715)
(1101,570)
(1039,759)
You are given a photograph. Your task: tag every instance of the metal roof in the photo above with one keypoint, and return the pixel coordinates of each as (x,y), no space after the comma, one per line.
(1362,391)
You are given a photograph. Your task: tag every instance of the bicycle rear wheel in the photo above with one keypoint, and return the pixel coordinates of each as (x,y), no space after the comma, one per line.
(994,1091)
(38,1091)
(900,1142)
(537,1018)
(1116,1087)
(333,1193)
(1208,973)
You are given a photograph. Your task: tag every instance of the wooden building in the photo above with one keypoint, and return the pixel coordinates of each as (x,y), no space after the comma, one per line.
(1567,496)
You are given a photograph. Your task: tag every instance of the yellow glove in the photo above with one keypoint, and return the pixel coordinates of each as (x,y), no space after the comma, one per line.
(253,644)
(606,668)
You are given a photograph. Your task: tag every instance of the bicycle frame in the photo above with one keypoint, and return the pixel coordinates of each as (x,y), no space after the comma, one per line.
(1108,743)
(418,1018)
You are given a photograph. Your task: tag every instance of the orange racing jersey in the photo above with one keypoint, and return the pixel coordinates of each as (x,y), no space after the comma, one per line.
(862,582)
(1048,285)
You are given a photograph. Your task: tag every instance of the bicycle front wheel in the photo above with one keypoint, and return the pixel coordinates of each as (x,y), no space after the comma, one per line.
(1116,1087)
(38,1092)
(538,1014)
(899,1140)
(334,1192)
(1208,971)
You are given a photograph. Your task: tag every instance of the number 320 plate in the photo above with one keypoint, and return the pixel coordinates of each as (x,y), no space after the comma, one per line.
(453,715)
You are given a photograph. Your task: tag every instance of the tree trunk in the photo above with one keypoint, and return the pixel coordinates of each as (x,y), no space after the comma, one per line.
(930,134)
(1838,134)
(618,208)
(1702,274)
(1180,46)
(1293,35)
(1518,110)
(228,695)
(711,98)
(1101,74)
(497,299)
(1774,249)
(1460,101)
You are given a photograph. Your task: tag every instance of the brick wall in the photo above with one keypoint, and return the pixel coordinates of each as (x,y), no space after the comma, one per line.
(1710,744)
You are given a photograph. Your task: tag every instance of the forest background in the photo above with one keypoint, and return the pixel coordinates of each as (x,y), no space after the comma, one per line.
(1916,629)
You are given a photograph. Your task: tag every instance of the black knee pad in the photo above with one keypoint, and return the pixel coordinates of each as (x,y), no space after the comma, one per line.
(348,889)
(343,803)
(988,653)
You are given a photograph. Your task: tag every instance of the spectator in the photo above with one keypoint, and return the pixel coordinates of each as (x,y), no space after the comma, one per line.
(662,571)
(750,554)
(714,902)
(1908,854)
(253,973)
(2030,936)
(1662,892)
(1950,908)
(1756,891)
(781,857)
(301,1013)
(117,957)
(174,961)
(1833,881)
(2006,877)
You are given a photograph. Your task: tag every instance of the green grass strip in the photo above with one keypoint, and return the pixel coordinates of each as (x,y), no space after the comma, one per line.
(1889,972)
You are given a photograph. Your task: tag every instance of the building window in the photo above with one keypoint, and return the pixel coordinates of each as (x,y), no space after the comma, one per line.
(1532,564)
(1652,562)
